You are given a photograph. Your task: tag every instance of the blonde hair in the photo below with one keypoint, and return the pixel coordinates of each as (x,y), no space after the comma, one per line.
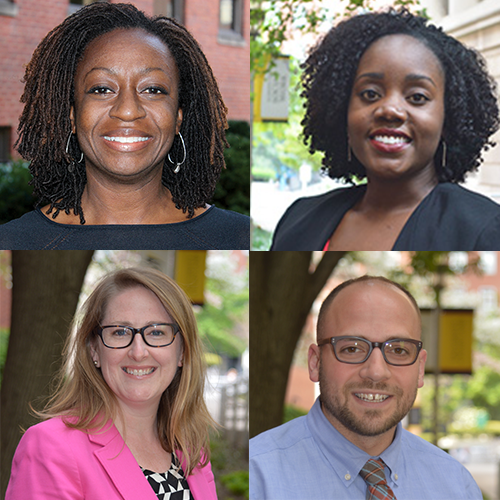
(84,400)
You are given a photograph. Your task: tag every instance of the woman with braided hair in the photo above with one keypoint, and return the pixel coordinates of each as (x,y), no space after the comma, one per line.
(124,126)
(392,99)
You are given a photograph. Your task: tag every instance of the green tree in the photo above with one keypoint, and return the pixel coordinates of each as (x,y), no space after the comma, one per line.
(46,287)
(16,195)
(283,288)
(233,189)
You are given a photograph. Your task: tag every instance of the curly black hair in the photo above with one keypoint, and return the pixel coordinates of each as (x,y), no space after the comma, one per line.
(471,108)
(45,124)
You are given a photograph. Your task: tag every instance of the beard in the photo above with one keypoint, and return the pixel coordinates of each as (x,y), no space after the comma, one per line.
(372,422)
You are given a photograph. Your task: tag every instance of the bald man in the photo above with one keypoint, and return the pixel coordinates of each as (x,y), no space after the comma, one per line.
(369,363)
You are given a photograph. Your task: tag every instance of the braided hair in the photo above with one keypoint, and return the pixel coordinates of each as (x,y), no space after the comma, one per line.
(471,109)
(45,126)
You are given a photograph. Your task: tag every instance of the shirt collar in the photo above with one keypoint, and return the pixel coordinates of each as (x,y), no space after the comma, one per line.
(345,458)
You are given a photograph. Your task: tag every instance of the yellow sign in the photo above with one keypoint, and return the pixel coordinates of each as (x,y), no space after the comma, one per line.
(190,273)
(455,340)
(271,92)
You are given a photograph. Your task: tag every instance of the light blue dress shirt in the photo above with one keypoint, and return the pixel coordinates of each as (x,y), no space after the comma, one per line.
(308,459)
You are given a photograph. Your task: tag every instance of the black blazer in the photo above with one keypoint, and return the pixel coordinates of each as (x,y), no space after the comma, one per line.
(450,217)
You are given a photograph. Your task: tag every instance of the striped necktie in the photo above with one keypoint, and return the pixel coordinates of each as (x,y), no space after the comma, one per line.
(374,475)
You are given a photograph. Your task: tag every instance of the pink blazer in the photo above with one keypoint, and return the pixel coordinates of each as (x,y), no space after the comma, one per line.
(55,462)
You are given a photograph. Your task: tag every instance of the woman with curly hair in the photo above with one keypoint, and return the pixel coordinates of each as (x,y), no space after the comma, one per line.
(124,126)
(394,100)
(128,419)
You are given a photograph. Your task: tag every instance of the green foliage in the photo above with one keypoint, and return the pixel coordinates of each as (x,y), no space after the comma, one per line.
(261,239)
(226,306)
(462,397)
(237,482)
(233,189)
(290,412)
(263,173)
(272,21)
(484,390)
(16,195)
(216,326)
(493,427)
(230,467)
(280,144)
(4,344)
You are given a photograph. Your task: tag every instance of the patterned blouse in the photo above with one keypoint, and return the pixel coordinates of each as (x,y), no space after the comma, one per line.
(170,485)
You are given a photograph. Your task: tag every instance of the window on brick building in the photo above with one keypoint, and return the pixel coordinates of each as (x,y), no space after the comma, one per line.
(231,21)
(74,5)
(5,134)
(170,8)
(8,8)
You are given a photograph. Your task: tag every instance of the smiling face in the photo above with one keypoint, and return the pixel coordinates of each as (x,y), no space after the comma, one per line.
(126,112)
(138,374)
(370,398)
(396,109)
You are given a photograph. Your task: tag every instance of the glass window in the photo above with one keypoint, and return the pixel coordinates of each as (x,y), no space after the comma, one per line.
(170,8)
(8,8)
(230,20)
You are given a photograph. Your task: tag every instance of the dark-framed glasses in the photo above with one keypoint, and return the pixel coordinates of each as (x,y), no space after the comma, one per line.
(356,350)
(120,336)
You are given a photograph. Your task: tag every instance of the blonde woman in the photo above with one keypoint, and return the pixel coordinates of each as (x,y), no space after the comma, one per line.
(129,422)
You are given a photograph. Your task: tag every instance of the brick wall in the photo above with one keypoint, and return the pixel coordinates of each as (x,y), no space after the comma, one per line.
(230,64)
(20,35)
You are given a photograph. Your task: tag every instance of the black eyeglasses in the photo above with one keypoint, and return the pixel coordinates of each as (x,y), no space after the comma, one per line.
(119,336)
(356,350)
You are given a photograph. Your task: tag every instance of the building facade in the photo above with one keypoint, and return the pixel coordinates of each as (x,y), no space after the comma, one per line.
(221,27)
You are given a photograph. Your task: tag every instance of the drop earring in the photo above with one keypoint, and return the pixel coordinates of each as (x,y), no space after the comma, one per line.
(178,165)
(443,158)
(72,165)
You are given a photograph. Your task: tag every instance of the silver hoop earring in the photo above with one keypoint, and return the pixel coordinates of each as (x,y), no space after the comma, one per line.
(178,165)
(71,166)
(443,158)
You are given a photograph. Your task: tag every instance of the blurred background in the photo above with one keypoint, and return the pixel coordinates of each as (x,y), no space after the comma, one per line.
(40,291)
(458,409)
(282,32)
(221,27)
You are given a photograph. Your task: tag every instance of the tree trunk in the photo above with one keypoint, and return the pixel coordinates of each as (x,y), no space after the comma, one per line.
(282,291)
(46,287)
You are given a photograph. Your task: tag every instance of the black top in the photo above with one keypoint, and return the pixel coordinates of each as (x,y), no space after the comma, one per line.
(214,229)
(450,217)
